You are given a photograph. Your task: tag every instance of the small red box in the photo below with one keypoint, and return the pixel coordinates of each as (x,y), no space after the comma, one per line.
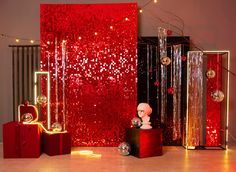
(21,140)
(56,143)
(144,143)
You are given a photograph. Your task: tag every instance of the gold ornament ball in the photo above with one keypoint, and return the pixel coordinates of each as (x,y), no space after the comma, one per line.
(165,61)
(217,96)
(27,117)
(56,127)
(210,73)
(42,99)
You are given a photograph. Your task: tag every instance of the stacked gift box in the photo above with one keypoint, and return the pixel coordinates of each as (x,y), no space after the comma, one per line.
(30,140)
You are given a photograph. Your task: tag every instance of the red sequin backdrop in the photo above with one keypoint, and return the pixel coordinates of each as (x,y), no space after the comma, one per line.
(213,109)
(100,74)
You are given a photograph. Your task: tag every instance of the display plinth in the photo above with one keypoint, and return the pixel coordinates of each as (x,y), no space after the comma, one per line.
(21,140)
(56,143)
(144,143)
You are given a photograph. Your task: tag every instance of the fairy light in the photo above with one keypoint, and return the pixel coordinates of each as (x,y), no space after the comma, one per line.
(31,41)
(140,11)
(95,33)
(79,37)
(17,40)
(155,1)
(126,19)
(111,27)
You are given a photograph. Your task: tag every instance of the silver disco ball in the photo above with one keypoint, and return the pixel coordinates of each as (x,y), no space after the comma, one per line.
(124,148)
(136,122)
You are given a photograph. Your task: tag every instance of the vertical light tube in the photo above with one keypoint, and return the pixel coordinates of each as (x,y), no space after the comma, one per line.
(56,82)
(194,99)
(162,40)
(63,84)
(177,73)
(48,94)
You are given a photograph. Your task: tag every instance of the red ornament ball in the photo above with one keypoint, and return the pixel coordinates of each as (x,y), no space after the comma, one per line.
(169,32)
(170,90)
(183,58)
(156,83)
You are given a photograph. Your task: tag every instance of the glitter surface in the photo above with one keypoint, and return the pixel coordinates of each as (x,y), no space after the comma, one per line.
(100,75)
(213,109)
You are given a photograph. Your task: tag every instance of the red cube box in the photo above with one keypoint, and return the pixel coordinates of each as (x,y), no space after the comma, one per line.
(56,143)
(21,140)
(144,143)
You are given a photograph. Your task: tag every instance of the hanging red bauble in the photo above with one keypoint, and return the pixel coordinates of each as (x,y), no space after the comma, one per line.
(156,83)
(169,32)
(170,90)
(183,58)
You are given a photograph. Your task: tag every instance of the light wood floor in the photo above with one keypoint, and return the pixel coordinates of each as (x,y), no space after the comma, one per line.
(107,159)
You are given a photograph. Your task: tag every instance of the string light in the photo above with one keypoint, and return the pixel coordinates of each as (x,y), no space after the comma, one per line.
(141,11)
(17,40)
(155,1)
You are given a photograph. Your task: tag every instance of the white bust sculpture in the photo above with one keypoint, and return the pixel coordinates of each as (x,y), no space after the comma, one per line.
(144,110)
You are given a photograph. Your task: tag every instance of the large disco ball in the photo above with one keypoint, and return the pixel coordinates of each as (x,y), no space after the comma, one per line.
(124,148)
(210,73)
(136,122)
(217,96)
(42,100)
(56,126)
(27,118)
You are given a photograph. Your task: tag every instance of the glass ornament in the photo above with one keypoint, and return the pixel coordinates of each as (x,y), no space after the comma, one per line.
(124,148)
(27,118)
(165,61)
(170,90)
(56,126)
(136,122)
(210,73)
(217,96)
(42,100)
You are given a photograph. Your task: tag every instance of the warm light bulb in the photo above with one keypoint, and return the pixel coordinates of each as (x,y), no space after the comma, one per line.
(95,33)
(17,40)
(79,37)
(126,18)
(141,11)
(111,27)
(155,1)
(48,42)
(31,41)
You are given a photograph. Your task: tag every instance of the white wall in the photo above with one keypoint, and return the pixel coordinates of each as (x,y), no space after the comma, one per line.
(209,23)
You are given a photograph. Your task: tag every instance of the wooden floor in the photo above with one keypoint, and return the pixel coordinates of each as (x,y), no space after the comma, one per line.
(107,159)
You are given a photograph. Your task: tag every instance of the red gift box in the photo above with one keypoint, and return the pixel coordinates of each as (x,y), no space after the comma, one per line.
(144,143)
(21,140)
(56,143)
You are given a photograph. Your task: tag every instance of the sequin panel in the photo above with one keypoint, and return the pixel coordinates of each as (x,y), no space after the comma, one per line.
(100,75)
(213,109)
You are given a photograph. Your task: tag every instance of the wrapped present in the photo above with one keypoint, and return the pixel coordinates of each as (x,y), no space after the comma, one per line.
(144,142)
(56,143)
(21,140)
